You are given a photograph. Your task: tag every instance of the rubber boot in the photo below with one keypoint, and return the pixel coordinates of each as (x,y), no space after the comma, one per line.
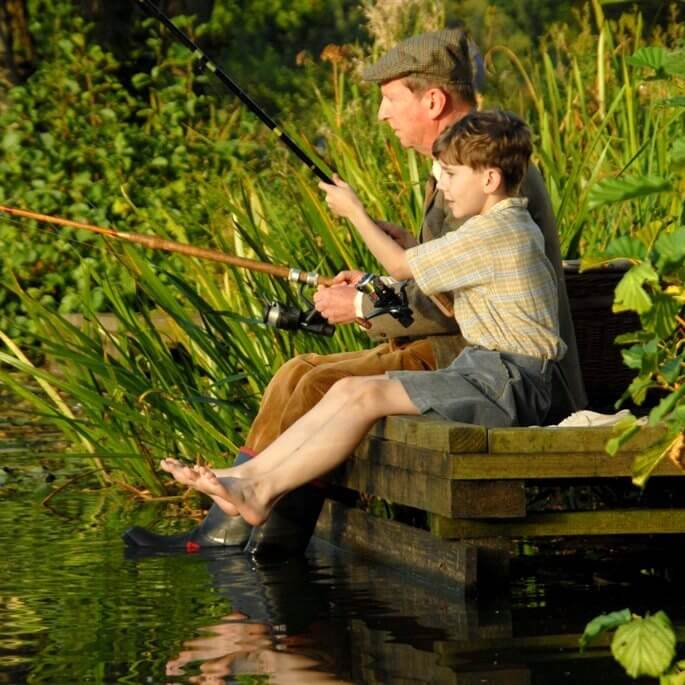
(217,529)
(287,531)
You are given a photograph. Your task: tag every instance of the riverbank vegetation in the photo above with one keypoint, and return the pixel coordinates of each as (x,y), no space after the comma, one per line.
(135,138)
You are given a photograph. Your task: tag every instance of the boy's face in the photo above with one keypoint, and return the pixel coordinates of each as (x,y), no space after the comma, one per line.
(465,189)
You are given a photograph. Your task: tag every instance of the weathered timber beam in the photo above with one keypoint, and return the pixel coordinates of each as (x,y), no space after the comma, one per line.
(569,440)
(482,499)
(432,433)
(504,466)
(575,523)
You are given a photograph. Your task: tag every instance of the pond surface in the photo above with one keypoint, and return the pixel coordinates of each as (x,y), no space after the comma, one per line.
(77,607)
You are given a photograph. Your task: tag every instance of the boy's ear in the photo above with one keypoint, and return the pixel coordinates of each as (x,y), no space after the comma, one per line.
(493,180)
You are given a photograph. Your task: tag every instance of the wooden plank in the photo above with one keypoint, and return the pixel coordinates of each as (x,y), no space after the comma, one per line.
(551,465)
(432,433)
(563,440)
(580,523)
(482,499)
(504,466)
(450,563)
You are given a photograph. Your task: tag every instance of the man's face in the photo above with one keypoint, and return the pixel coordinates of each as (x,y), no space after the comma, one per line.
(408,116)
(464,189)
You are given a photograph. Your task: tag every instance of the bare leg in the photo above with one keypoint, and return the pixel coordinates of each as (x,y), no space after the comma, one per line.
(301,431)
(336,435)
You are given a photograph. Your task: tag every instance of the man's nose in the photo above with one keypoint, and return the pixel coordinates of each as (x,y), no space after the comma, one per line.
(383,110)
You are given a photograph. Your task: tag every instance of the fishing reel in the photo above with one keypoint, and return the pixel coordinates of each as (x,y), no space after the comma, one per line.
(385,299)
(291,318)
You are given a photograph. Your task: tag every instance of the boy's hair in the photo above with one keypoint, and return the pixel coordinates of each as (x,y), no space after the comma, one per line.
(492,138)
(458,92)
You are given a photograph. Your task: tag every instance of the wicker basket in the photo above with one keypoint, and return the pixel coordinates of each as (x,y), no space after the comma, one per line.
(591,295)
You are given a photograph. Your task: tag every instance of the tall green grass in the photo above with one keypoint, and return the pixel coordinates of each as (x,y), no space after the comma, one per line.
(596,115)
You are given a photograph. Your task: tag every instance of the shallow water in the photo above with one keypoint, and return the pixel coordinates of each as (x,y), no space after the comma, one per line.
(77,607)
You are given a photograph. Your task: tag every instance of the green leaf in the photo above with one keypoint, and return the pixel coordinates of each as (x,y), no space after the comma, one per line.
(666,405)
(674,63)
(645,646)
(673,368)
(638,388)
(677,153)
(649,459)
(678,101)
(670,248)
(630,295)
(626,247)
(602,623)
(661,318)
(649,57)
(612,190)
(632,357)
(628,427)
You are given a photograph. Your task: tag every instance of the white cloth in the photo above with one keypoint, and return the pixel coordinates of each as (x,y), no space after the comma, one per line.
(588,418)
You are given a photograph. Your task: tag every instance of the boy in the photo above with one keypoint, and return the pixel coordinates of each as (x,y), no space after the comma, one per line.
(505,302)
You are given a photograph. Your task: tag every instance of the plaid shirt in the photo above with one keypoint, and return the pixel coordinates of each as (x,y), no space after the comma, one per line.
(504,287)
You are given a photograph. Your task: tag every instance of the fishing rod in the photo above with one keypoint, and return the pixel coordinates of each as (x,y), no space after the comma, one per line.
(276,315)
(441,300)
(206,61)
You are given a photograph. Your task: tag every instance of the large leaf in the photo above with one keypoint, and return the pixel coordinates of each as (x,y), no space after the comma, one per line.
(602,623)
(629,294)
(649,57)
(612,190)
(645,646)
(661,318)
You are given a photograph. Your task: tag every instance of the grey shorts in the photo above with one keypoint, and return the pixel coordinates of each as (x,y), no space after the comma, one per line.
(484,387)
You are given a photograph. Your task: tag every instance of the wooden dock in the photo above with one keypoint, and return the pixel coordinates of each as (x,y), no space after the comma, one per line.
(473,491)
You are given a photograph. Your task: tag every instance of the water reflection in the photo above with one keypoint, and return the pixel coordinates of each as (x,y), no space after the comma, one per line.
(76,607)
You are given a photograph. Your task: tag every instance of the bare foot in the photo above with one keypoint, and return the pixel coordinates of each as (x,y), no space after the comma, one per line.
(189,475)
(186,475)
(242,493)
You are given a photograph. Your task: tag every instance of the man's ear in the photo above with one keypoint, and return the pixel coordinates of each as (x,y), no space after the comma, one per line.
(436,102)
(493,180)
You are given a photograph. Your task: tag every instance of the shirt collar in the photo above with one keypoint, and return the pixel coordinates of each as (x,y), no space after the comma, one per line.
(508,203)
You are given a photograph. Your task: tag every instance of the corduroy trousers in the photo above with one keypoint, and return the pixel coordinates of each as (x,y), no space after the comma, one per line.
(301,382)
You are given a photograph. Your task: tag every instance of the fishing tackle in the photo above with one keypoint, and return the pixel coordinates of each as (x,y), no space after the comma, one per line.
(385,299)
(276,315)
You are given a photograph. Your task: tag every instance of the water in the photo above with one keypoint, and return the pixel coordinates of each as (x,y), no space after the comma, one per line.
(77,607)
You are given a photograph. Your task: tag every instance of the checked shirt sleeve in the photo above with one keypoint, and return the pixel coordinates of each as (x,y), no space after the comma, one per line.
(457,260)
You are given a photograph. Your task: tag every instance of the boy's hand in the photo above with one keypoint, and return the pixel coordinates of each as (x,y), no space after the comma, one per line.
(341,199)
(400,235)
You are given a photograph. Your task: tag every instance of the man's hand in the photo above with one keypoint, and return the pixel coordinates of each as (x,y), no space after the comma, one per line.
(336,303)
(400,235)
(341,199)
(348,277)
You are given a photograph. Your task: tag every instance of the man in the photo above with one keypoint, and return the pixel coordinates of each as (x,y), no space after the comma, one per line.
(427,84)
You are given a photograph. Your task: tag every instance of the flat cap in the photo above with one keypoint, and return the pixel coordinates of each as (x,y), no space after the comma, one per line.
(449,56)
